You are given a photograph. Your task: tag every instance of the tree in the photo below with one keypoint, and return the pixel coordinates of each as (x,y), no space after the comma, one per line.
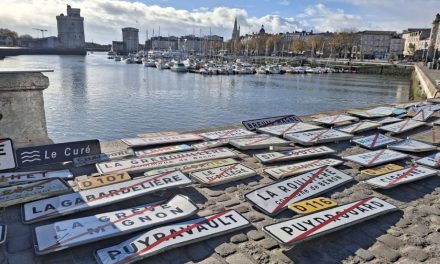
(336,43)
(411,49)
(298,45)
(12,34)
(314,42)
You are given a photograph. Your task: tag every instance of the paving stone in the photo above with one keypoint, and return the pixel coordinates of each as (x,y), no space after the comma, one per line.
(239,258)
(429,210)
(403,223)
(391,241)
(241,209)
(198,251)
(415,253)
(268,243)
(231,203)
(231,189)
(433,260)
(210,260)
(222,198)
(255,235)
(433,238)
(213,193)
(226,249)
(365,254)
(26,257)
(419,230)
(385,252)
(19,243)
(240,238)
(255,217)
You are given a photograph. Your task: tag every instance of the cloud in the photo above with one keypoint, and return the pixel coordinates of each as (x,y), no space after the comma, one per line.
(284,3)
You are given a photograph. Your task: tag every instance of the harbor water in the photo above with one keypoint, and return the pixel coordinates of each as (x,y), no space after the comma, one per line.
(94,97)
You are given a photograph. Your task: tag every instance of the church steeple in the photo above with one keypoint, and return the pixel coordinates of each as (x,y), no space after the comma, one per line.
(236,31)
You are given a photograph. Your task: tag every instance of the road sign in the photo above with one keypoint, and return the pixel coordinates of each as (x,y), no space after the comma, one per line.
(272,199)
(406,175)
(312,205)
(120,154)
(92,159)
(296,230)
(31,176)
(280,130)
(270,121)
(423,115)
(359,127)
(166,237)
(98,181)
(434,100)
(167,160)
(382,170)
(7,156)
(3,231)
(318,136)
(281,172)
(364,114)
(334,119)
(210,144)
(162,150)
(431,136)
(22,193)
(294,154)
(387,120)
(228,133)
(381,110)
(224,174)
(151,141)
(187,168)
(431,161)
(88,199)
(410,145)
(374,141)
(258,142)
(402,126)
(374,158)
(158,134)
(56,153)
(74,232)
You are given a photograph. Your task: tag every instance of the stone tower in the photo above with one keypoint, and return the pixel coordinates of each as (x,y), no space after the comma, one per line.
(434,39)
(236,32)
(71,29)
(130,37)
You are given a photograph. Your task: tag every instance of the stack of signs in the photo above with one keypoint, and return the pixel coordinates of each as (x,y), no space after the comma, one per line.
(331,120)
(32,191)
(159,134)
(382,170)
(272,199)
(399,111)
(10,178)
(430,107)
(98,181)
(406,175)
(7,157)
(423,115)
(434,100)
(431,136)
(312,205)
(409,145)
(193,166)
(162,150)
(359,127)
(381,110)
(280,130)
(387,120)
(210,144)
(293,154)
(74,232)
(252,125)
(431,161)
(259,142)
(374,141)
(364,114)
(298,168)
(3,231)
(318,136)
(56,153)
(402,126)
(150,141)
(157,162)
(166,237)
(88,199)
(307,227)
(228,133)
(92,159)
(224,174)
(374,158)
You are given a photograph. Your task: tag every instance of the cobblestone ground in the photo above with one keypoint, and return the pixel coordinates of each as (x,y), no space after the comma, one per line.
(410,235)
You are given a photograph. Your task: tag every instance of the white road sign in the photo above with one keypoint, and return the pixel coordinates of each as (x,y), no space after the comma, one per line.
(359,127)
(374,141)
(280,130)
(387,120)
(331,120)
(224,174)
(402,126)
(272,199)
(364,114)
(294,154)
(307,227)
(22,193)
(431,136)
(406,175)
(374,158)
(410,145)
(162,150)
(281,172)
(318,136)
(150,141)
(74,232)
(381,110)
(423,115)
(270,121)
(431,160)
(166,237)
(228,133)
(167,160)
(92,159)
(7,155)
(88,199)
(258,142)
(210,144)
(30,176)
(158,134)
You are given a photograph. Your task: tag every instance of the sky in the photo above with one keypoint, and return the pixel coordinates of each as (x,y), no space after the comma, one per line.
(103,19)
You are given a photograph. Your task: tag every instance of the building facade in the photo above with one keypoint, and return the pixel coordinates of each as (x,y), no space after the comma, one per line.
(375,44)
(6,41)
(118,47)
(415,41)
(190,44)
(434,40)
(71,29)
(396,47)
(130,37)
(164,43)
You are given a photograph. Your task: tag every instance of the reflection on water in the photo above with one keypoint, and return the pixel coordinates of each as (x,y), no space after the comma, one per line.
(92,97)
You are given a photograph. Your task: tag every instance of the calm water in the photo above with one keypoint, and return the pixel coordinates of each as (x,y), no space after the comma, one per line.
(93,97)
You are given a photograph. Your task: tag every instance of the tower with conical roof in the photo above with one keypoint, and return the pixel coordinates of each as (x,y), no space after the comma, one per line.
(236,31)
(434,39)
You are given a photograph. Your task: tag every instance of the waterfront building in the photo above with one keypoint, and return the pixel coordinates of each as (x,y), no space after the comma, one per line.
(434,39)
(375,44)
(118,47)
(163,43)
(235,32)
(6,40)
(130,37)
(71,29)
(190,44)
(416,41)
(396,47)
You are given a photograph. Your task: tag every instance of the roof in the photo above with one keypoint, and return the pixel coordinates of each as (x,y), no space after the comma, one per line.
(378,32)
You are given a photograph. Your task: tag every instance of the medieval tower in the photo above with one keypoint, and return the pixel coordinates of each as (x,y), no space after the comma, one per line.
(71,29)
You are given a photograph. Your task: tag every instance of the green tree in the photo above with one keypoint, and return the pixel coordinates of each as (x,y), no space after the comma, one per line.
(10,33)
